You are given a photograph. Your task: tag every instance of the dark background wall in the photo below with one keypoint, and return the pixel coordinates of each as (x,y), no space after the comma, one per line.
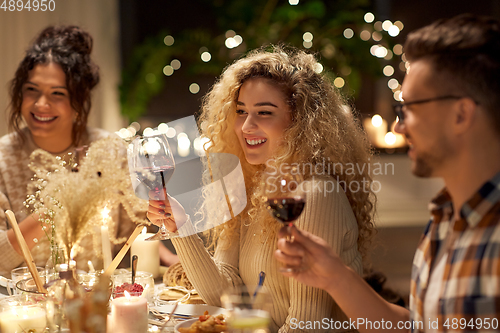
(141,19)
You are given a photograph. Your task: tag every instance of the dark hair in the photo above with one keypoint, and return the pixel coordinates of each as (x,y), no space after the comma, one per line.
(70,48)
(465,51)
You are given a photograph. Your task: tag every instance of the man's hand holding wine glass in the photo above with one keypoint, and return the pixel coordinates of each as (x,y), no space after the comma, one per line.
(310,259)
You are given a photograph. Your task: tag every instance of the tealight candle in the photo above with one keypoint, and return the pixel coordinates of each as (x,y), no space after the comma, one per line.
(23,319)
(148,253)
(129,314)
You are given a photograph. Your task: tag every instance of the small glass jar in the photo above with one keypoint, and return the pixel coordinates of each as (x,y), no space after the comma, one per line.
(65,299)
(144,279)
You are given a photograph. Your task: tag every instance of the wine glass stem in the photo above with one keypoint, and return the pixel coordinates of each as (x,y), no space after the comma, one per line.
(289,236)
(163,229)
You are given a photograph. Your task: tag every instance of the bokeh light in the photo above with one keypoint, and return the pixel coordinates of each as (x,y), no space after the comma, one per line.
(318,68)
(168,40)
(339,82)
(365,35)
(308,37)
(393,31)
(397,95)
(388,70)
(386,25)
(148,131)
(171,132)
(398,49)
(206,56)
(393,84)
(163,128)
(168,70)
(369,17)
(176,64)
(376,36)
(194,88)
(348,33)
(389,55)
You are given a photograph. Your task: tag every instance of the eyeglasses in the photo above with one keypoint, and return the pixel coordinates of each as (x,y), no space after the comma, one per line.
(398,108)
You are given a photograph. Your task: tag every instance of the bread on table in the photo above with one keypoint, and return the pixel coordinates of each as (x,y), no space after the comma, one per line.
(176,277)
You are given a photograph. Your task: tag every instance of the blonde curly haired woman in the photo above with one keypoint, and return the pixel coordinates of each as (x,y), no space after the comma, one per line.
(273,108)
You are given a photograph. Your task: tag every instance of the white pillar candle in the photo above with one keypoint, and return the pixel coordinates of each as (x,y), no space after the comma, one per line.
(106,247)
(148,253)
(23,319)
(129,314)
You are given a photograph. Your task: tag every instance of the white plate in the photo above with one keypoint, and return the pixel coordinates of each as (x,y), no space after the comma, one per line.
(191,309)
(185,324)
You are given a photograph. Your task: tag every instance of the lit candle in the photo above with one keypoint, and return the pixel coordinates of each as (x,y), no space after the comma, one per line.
(376,128)
(106,245)
(23,319)
(129,314)
(148,253)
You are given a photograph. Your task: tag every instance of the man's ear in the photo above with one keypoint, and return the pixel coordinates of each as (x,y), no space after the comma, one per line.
(465,115)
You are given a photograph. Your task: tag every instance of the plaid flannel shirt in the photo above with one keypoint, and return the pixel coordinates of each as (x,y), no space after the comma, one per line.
(469,299)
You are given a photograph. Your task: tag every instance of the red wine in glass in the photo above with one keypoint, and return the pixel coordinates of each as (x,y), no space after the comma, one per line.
(286,210)
(285,198)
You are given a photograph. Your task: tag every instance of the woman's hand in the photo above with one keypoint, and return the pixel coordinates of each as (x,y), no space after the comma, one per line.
(168,212)
(313,260)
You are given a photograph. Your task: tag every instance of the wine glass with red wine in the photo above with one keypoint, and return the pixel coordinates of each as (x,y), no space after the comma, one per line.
(151,165)
(285,198)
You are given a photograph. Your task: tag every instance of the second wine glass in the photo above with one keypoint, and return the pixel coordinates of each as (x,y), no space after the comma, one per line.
(151,164)
(285,197)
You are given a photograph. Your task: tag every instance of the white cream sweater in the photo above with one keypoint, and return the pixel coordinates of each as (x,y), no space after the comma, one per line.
(326,214)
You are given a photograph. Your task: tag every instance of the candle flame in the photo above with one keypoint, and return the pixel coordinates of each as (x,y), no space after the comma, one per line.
(144,230)
(377,120)
(105,213)
(127,295)
(72,253)
(91,266)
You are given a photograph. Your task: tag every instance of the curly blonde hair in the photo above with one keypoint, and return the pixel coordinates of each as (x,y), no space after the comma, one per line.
(321,129)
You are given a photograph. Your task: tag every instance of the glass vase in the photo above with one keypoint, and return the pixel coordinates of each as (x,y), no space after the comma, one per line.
(56,257)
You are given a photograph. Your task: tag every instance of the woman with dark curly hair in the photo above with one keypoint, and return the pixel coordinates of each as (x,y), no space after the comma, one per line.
(272,109)
(50,104)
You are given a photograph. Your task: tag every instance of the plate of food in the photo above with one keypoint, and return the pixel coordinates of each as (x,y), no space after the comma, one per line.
(193,310)
(177,288)
(205,323)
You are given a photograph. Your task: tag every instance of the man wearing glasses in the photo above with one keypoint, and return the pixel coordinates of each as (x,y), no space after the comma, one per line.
(451,119)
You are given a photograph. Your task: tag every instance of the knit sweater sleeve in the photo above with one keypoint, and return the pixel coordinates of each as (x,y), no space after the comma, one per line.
(328,214)
(12,187)
(210,275)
